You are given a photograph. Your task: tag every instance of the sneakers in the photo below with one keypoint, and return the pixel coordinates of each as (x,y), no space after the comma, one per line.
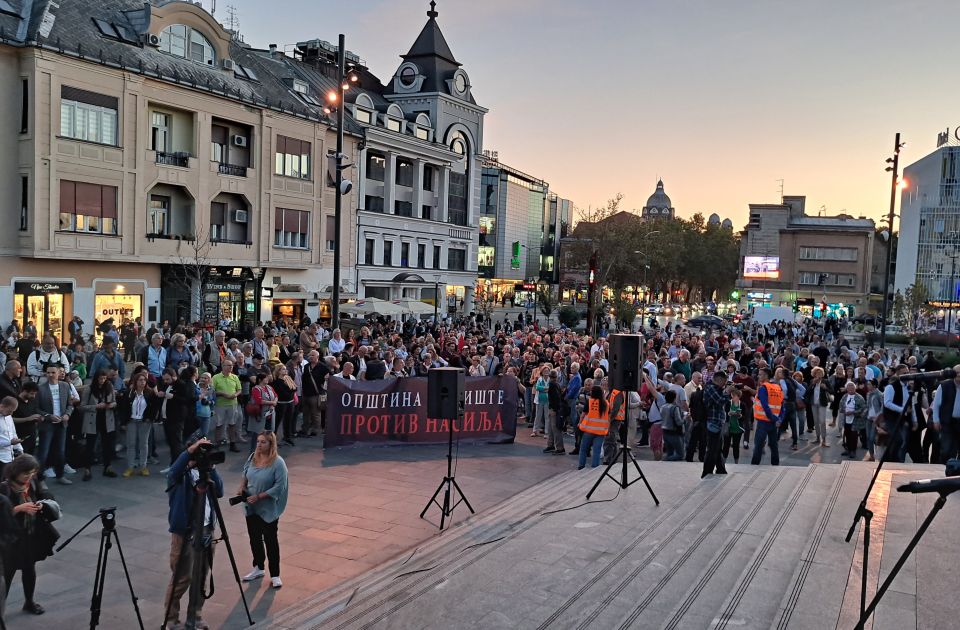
(68,469)
(549,449)
(144,472)
(49,473)
(63,481)
(275,582)
(153,459)
(128,472)
(108,472)
(256,574)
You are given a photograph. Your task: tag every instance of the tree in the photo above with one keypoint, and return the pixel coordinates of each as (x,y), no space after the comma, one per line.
(193,266)
(546,302)
(483,300)
(569,316)
(915,305)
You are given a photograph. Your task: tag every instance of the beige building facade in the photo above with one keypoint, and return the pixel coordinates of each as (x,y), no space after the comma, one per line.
(146,147)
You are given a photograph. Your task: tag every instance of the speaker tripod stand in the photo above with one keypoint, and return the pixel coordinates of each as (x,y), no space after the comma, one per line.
(623,458)
(449,485)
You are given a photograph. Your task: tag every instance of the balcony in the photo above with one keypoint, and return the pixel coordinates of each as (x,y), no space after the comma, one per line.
(231,241)
(179,158)
(232,169)
(457,217)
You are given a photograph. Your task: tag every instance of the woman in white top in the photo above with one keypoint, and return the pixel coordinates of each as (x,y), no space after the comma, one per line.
(139,396)
(336,343)
(10,444)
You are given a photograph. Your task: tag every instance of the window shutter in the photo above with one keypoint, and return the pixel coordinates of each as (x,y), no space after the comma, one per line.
(304,221)
(219,134)
(279,220)
(88,199)
(331,227)
(290,221)
(218,213)
(281,144)
(109,196)
(90,98)
(68,194)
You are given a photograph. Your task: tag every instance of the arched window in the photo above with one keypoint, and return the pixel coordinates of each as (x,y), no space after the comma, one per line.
(459,143)
(459,183)
(182,41)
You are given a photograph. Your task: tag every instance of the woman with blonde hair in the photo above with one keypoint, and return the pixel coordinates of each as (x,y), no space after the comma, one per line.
(264,488)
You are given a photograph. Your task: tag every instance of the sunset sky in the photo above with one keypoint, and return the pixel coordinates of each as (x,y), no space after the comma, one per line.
(719,98)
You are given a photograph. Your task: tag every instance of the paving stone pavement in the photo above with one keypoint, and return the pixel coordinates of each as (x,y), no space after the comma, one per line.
(349,510)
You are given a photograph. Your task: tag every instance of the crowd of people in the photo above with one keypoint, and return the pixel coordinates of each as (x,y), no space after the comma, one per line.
(132,394)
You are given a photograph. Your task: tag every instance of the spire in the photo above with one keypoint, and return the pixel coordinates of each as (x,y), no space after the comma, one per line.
(432,13)
(431,43)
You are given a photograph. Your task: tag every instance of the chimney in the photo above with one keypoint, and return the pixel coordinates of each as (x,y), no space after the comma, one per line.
(273,50)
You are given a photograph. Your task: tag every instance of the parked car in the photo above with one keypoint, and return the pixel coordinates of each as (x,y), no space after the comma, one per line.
(655,309)
(868,319)
(706,321)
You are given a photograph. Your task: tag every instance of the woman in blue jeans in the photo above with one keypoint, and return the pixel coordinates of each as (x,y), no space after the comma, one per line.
(594,426)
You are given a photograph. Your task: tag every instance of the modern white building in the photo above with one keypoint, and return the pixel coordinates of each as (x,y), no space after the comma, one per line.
(929,241)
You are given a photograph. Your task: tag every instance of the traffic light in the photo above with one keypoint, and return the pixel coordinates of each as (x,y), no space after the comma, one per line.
(822,279)
(593,270)
(796,307)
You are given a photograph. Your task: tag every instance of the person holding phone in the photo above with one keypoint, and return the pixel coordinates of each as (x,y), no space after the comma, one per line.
(10,445)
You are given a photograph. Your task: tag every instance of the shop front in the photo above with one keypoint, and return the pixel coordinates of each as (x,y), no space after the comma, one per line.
(44,306)
(228,302)
(117,303)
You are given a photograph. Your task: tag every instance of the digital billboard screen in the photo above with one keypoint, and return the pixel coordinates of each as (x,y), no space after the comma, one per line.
(761,267)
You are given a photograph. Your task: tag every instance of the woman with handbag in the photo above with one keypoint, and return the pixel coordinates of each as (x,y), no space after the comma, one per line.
(286,390)
(99,421)
(34,509)
(261,410)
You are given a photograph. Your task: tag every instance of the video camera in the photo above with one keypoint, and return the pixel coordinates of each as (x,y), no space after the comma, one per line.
(238,499)
(207,456)
(928,376)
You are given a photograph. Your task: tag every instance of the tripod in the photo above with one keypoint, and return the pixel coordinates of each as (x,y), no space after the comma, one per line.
(865,513)
(201,541)
(866,612)
(623,455)
(108,519)
(448,485)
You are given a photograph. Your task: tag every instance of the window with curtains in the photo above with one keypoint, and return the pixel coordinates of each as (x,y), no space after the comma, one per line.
(292,228)
(218,221)
(293,158)
(219,137)
(88,116)
(331,228)
(88,208)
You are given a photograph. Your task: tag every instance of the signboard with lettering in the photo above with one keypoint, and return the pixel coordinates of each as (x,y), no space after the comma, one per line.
(395,411)
(224,286)
(42,288)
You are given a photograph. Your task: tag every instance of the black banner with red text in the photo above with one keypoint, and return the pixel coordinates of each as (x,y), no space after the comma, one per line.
(395,411)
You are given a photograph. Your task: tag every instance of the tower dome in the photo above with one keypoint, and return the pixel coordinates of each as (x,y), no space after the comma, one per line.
(659,204)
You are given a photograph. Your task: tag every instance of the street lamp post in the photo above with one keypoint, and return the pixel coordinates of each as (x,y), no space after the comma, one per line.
(893,168)
(953,253)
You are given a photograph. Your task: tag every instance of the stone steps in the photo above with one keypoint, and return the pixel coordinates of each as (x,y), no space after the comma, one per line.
(761,547)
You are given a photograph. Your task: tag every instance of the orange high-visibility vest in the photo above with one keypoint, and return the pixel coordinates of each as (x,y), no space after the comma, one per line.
(622,412)
(774,399)
(594,421)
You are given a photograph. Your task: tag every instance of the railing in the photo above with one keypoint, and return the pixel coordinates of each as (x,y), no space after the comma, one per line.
(173,159)
(457,217)
(231,241)
(233,169)
(171,237)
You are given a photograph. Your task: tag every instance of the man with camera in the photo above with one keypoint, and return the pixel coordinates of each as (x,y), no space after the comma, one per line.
(190,557)
(946,416)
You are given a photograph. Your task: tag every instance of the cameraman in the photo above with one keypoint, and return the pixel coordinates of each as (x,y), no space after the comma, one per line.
(185,561)
(945,416)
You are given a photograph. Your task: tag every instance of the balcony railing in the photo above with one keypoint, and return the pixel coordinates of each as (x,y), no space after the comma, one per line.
(171,237)
(457,217)
(233,169)
(231,241)
(173,159)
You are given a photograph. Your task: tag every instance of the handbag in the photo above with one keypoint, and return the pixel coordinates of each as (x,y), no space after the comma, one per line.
(253,407)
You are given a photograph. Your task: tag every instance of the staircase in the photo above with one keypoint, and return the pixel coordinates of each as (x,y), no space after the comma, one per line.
(761,547)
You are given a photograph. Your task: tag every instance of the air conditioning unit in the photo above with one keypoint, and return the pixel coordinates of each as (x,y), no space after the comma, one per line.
(239,216)
(240,141)
(228,64)
(151,40)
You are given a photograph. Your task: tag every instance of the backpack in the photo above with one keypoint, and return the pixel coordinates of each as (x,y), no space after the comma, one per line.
(45,364)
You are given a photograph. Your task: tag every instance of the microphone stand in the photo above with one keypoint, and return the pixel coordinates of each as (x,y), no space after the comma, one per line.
(865,513)
(865,614)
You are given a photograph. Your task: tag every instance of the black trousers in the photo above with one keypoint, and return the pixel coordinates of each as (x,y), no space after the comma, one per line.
(173,431)
(263,534)
(286,417)
(698,441)
(714,458)
(29,576)
(107,449)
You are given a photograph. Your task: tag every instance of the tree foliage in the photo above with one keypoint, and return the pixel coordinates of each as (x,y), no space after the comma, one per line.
(911,307)
(546,301)
(692,254)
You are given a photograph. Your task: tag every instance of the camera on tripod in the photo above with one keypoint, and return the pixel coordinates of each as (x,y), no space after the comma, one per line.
(207,456)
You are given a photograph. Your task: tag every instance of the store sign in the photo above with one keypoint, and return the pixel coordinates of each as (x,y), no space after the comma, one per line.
(756,295)
(224,286)
(945,137)
(42,288)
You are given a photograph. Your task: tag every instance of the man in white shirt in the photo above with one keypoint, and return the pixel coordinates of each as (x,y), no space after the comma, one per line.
(46,355)
(10,444)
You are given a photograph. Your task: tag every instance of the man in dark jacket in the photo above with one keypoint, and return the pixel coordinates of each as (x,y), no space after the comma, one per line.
(178,408)
(190,557)
(11,379)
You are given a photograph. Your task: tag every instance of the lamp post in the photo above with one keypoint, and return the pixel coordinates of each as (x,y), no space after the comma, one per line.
(893,168)
(335,99)
(436,297)
(953,252)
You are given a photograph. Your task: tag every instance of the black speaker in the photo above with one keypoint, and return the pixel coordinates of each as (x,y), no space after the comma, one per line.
(445,387)
(624,362)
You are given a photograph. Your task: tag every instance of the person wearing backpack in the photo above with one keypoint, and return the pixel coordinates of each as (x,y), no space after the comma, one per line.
(672,424)
(46,355)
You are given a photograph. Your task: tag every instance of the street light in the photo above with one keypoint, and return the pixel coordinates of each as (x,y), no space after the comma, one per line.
(335,101)
(952,252)
(894,184)
(436,296)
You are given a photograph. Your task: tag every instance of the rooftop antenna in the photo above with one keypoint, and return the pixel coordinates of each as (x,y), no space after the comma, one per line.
(233,22)
(823,211)
(213,8)
(781,191)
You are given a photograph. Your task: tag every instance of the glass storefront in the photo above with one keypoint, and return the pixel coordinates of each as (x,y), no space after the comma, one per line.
(289,310)
(120,308)
(42,305)
(223,303)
